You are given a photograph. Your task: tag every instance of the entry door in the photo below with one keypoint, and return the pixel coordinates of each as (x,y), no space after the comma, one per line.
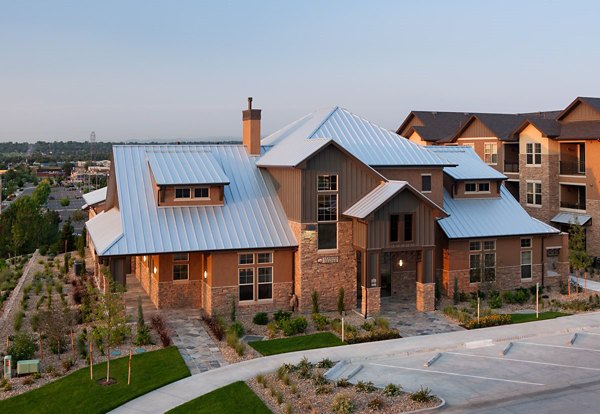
(385,270)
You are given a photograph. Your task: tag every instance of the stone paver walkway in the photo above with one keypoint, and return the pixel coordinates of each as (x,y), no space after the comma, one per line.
(195,345)
(404,317)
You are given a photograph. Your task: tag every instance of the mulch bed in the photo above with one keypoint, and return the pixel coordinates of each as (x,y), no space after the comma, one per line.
(301,396)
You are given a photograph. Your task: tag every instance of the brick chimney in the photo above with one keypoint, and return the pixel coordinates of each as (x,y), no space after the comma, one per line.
(251,129)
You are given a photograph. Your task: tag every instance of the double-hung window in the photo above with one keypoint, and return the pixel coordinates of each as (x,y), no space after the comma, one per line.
(534,193)
(490,153)
(475,262)
(526,264)
(482,261)
(246,283)
(533,151)
(327,211)
(181,266)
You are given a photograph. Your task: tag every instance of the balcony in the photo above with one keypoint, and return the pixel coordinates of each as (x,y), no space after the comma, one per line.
(511,167)
(573,197)
(572,167)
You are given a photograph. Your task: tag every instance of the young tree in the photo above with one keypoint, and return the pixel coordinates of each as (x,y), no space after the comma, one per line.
(55,323)
(110,318)
(66,239)
(579,259)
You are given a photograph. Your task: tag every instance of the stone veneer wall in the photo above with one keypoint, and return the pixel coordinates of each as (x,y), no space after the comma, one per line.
(403,285)
(593,231)
(218,300)
(425,297)
(179,294)
(371,301)
(325,278)
(547,174)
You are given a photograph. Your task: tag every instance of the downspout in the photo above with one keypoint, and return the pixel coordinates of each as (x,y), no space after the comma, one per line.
(542,259)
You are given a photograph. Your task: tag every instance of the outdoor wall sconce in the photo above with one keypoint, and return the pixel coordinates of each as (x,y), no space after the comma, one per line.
(373,282)
(400,262)
(155,269)
(145,258)
(205,274)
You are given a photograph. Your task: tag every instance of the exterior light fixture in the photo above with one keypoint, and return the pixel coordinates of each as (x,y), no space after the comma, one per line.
(205,274)
(400,262)
(155,269)
(145,258)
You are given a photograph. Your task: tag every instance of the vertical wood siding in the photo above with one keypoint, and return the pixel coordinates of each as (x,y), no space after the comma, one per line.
(475,130)
(354,181)
(288,184)
(405,202)
(582,112)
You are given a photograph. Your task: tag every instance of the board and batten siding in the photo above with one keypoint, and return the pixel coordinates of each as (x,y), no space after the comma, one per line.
(582,112)
(288,184)
(404,202)
(476,130)
(359,234)
(354,181)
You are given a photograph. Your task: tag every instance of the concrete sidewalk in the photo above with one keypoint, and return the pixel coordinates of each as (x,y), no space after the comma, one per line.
(589,284)
(179,392)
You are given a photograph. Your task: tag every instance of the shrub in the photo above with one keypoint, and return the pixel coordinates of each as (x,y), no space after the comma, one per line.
(325,363)
(392,390)
(82,347)
(495,301)
(160,326)
(490,320)
(293,326)
(18,322)
(261,318)
(362,386)
(237,328)
(272,328)
(64,202)
(323,389)
(22,347)
(319,379)
(342,383)
(5,385)
(27,380)
(341,307)
(281,315)
(381,322)
(454,313)
(233,310)
(142,336)
(260,378)
(232,339)
(375,404)
(34,320)
(315,301)
(423,395)
(342,404)
(456,294)
(215,326)
(367,326)
(240,348)
(288,408)
(67,364)
(373,336)
(321,321)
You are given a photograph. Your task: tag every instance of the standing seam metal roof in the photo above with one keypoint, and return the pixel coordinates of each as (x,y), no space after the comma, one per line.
(489,217)
(468,165)
(175,166)
(372,144)
(251,218)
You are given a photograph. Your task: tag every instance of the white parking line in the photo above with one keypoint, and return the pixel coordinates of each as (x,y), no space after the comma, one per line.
(559,346)
(524,360)
(458,375)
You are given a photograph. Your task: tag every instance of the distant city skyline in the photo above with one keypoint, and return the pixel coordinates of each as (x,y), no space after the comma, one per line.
(182,70)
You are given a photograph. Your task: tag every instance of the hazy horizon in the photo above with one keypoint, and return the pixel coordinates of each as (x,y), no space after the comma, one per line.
(182,71)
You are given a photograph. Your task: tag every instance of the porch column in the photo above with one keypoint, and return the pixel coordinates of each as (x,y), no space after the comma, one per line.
(371,290)
(425,282)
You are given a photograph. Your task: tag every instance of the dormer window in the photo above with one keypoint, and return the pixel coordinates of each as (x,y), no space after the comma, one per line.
(477,187)
(201,192)
(182,193)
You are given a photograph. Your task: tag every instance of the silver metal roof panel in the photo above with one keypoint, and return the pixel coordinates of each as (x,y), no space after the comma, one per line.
(468,165)
(489,217)
(251,218)
(175,165)
(95,197)
(571,218)
(375,199)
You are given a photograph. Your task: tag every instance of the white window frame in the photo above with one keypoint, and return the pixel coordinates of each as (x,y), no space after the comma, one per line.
(245,254)
(258,262)
(253,284)
(533,153)
(535,184)
(337,183)
(526,239)
(182,198)
(258,283)
(530,264)
(477,186)
(490,153)
(201,188)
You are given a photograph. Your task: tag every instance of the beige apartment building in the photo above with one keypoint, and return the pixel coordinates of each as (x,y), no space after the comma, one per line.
(550,158)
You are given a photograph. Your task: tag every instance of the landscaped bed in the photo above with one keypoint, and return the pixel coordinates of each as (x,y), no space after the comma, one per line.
(234,398)
(302,388)
(76,393)
(296,343)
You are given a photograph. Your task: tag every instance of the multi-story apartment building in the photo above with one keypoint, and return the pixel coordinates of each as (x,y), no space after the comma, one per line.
(549,158)
(330,201)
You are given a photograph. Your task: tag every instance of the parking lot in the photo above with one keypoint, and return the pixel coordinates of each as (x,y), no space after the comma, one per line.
(76,202)
(544,374)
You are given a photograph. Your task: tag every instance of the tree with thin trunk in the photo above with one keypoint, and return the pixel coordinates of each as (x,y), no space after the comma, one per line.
(55,323)
(579,259)
(110,318)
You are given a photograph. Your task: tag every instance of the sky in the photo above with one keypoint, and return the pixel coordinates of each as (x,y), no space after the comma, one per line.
(172,70)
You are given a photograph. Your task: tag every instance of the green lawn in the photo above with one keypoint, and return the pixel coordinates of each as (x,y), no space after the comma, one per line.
(234,398)
(296,343)
(77,394)
(530,317)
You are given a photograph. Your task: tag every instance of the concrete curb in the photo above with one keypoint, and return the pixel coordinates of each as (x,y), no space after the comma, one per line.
(428,410)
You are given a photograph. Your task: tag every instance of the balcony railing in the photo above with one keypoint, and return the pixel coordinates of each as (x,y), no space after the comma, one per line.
(511,167)
(572,167)
(572,205)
